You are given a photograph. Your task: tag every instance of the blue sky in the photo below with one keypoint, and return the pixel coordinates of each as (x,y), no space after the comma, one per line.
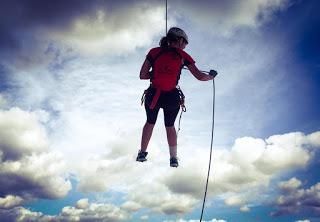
(71,120)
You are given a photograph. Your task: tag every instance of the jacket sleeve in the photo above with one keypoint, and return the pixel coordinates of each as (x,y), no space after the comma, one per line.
(187,59)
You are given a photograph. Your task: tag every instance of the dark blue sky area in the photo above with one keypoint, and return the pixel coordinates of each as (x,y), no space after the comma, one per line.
(298,30)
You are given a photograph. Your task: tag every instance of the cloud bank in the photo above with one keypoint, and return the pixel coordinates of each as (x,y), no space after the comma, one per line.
(250,165)
(83,211)
(226,17)
(295,199)
(28,169)
(113,28)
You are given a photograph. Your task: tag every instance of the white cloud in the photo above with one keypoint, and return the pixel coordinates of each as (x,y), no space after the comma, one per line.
(162,201)
(244,209)
(182,220)
(234,201)
(93,211)
(84,211)
(144,217)
(131,206)
(279,145)
(118,170)
(313,139)
(291,184)
(82,204)
(115,32)
(241,168)
(10,201)
(106,173)
(21,133)
(38,176)
(298,200)
(306,220)
(27,168)
(234,172)
(227,16)
(22,214)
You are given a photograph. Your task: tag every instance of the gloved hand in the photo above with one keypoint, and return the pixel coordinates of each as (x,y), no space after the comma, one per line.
(213,73)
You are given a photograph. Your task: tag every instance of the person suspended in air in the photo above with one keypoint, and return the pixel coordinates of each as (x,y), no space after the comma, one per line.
(166,62)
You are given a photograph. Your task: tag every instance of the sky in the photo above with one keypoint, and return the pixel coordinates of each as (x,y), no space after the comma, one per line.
(71,119)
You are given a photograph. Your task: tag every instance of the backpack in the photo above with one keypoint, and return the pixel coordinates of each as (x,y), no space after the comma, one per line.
(162,81)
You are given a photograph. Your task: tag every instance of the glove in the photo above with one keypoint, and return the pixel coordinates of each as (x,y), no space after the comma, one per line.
(213,73)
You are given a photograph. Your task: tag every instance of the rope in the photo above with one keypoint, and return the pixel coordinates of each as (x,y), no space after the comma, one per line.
(212,130)
(166,16)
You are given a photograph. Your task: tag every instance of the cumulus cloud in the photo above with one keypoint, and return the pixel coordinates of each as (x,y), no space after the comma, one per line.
(182,220)
(250,164)
(234,201)
(108,27)
(298,199)
(23,214)
(82,204)
(245,209)
(131,206)
(108,172)
(290,185)
(83,211)
(27,168)
(225,17)
(118,170)
(179,191)
(237,201)
(10,201)
(144,217)
(119,32)
(313,139)
(93,212)
(163,201)
(96,27)
(279,145)
(21,134)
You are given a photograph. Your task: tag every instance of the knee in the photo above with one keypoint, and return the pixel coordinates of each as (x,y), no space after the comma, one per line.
(149,125)
(169,124)
(170,128)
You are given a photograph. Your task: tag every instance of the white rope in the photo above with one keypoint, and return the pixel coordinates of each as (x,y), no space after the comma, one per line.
(212,130)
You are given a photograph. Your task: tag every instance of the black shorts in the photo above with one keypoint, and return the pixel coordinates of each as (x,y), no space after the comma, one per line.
(168,101)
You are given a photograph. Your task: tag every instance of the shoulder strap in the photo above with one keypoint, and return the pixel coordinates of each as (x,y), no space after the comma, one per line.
(163,51)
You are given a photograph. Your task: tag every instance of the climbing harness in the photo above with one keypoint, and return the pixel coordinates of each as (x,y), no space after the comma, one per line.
(181,100)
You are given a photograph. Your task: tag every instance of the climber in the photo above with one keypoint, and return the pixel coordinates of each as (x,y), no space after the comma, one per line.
(166,63)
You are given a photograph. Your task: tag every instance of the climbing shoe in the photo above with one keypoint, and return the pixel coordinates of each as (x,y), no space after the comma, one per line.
(174,162)
(142,156)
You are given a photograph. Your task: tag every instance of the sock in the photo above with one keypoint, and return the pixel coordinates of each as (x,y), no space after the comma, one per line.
(173,151)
